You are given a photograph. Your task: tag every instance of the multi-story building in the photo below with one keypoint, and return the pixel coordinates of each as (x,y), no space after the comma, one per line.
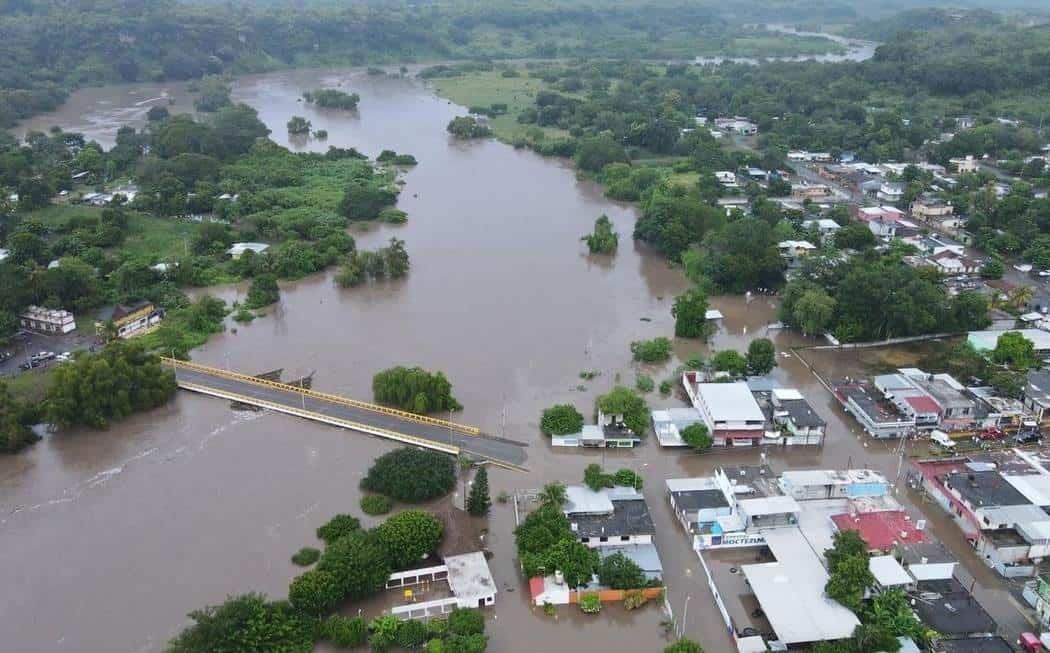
(47,321)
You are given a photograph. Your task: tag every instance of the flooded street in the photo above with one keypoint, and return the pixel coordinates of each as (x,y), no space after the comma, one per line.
(109,538)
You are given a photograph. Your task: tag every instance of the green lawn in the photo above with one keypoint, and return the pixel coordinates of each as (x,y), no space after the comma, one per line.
(30,385)
(486,88)
(163,238)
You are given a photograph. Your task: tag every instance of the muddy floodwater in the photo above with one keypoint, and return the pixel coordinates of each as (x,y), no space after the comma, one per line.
(109,538)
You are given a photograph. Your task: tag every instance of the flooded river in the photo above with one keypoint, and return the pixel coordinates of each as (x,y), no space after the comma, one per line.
(109,538)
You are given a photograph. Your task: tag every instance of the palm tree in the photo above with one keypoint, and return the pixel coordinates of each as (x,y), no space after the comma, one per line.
(1020,296)
(553,494)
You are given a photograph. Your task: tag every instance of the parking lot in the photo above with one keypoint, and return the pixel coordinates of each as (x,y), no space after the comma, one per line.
(25,344)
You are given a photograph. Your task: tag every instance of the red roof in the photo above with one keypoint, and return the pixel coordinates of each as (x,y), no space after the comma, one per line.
(536,586)
(881,530)
(923,404)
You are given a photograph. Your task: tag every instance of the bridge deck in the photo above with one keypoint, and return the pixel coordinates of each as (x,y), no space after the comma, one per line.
(340,411)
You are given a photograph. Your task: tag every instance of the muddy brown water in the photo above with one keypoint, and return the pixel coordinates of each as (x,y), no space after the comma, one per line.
(109,538)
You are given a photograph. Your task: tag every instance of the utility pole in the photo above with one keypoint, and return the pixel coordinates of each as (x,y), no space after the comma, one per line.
(685,612)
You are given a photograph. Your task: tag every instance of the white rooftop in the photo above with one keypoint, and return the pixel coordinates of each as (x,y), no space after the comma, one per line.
(1034,487)
(791,592)
(787,394)
(581,499)
(804,477)
(689,484)
(986,340)
(469,577)
(774,505)
(888,572)
(713,314)
(729,402)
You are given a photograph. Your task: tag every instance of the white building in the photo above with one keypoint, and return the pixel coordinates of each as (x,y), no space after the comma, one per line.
(238,249)
(890,192)
(48,321)
(729,410)
(964,164)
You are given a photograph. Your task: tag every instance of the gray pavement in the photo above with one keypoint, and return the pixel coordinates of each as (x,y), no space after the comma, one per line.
(488,447)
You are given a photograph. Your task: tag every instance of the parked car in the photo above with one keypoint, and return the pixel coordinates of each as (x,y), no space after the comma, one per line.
(991,433)
(1028,437)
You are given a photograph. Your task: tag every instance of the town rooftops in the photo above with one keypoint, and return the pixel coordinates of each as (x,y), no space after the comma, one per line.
(984,489)
(925,552)
(469,576)
(1034,487)
(628,518)
(922,404)
(644,555)
(973,645)
(947,607)
(881,530)
(791,592)
(771,505)
(1038,387)
(808,477)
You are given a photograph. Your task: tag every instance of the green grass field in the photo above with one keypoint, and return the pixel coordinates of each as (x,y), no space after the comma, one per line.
(486,88)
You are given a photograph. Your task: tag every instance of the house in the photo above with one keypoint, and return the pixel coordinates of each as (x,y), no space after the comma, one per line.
(469,580)
(964,164)
(727,179)
(985,644)
(238,249)
(737,125)
(734,203)
(1036,396)
(795,251)
(610,431)
(878,417)
(129,321)
(669,423)
(729,410)
(757,174)
(890,192)
(985,341)
(932,399)
(697,501)
(926,560)
(826,227)
(805,190)
(951,263)
(886,221)
(47,321)
(617,515)
(929,208)
(888,573)
(795,418)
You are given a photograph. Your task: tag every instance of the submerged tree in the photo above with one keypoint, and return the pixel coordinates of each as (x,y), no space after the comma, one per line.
(603,240)
(299,125)
(478,503)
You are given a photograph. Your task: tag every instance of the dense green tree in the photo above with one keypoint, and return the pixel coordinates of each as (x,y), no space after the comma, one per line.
(697,436)
(315,593)
(468,127)
(595,477)
(1015,350)
(263,291)
(365,199)
(479,502)
(95,388)
(245,624)
(731,361)
(656,350)
(854,235)
(358,563)
(331,98)
(542,528)
(345,632)
(593,154)
(620,401)
(761,356)
(628,478)
(410,536)
(620,573)
(552,494)
(466,621)
(414,389)
(577,561)
(690,314)
(298,125)
(603,240)
(742,256)
(411,475)
(561,419)
(15,435)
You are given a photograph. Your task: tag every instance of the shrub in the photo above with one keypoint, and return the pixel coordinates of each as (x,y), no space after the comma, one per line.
(345,632)
(591,604)
(666,387)
(643,383)
(263,291)
(621,401)
(315,592)
(596,478)
(478,502)
(656,350)
(684,646)
(634,599)
(466,621)
(376,504)
(548,609)
(383,632)
(393,216)
(411,475)
(437,627)
(410,536)
(339,526)
(246,624)
(561,419)
(306,556)
(629,478)
(411,634)
(603,240)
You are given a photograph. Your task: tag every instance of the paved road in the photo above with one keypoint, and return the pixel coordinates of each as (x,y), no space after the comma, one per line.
(491,448)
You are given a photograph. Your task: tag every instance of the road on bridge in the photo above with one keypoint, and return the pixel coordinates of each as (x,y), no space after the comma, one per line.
(386,422)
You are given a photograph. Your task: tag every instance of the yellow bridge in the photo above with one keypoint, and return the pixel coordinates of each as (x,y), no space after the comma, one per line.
(381,421)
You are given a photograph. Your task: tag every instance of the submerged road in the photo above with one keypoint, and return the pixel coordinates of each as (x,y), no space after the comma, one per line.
(348,413)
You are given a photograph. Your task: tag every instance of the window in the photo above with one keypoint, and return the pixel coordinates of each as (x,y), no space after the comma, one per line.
(603,539)
(625,538)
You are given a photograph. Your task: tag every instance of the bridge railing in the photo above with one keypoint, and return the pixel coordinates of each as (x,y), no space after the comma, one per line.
(286,387)
(328,419)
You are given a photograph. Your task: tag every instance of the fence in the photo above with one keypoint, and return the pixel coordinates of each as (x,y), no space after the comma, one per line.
(609,596)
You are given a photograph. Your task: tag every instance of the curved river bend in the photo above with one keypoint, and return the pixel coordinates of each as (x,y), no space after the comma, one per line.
(110,538)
